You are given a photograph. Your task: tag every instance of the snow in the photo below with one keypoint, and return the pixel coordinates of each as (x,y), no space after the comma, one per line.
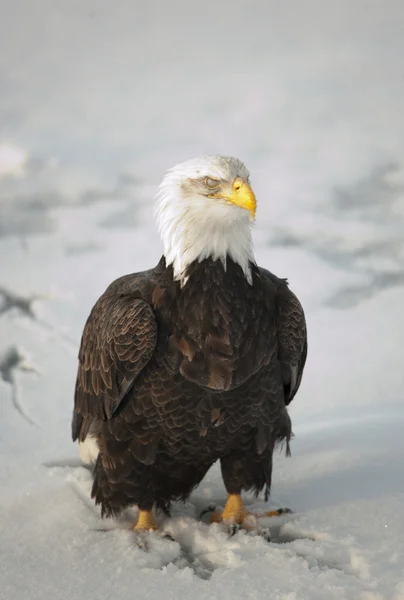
(12,160)
(97,100)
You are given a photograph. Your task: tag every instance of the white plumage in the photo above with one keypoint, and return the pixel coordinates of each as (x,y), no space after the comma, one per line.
(194,226)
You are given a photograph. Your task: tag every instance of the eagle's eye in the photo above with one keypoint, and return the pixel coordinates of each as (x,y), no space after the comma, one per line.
(212,183)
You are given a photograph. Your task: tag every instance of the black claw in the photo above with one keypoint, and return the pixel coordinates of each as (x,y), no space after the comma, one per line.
(266,535)
(284,511)
(208,509)
(141,543)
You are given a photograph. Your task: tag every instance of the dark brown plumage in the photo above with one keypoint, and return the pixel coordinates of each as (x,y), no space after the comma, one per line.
(173,378)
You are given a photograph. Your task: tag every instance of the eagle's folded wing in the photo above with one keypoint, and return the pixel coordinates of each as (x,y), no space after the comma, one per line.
(292,336)
(118,341)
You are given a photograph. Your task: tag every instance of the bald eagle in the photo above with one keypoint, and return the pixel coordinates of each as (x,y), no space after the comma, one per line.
(193,361)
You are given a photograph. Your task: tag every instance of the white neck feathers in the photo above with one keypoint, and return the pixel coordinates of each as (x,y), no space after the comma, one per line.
(195,228)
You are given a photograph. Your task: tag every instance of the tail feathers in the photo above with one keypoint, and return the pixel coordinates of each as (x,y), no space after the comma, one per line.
(284,442)
(285,434)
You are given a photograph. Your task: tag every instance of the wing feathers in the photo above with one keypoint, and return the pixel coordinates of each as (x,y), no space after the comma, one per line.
(292,335)
(118,341)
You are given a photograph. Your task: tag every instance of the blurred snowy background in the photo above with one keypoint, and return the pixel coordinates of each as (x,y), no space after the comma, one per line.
(97,99)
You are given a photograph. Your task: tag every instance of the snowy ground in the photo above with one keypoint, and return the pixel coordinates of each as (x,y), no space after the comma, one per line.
(96,101)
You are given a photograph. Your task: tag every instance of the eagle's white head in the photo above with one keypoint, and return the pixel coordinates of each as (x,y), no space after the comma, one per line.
(205,208)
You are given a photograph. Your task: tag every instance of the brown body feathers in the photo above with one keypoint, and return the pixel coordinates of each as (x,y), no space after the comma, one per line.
(173,378)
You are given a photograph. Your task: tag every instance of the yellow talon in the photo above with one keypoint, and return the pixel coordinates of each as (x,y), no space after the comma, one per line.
(275,513)
(271,513)
(216,517)
(234,511)
(145,521)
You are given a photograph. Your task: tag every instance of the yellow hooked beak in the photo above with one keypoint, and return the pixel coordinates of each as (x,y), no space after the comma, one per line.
(241,195)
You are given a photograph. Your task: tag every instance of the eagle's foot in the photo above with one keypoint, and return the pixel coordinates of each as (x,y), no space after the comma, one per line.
(151,540)
(264,533)
(234,513)
(236,516)
(252,528)
(146,521)
(274,513)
